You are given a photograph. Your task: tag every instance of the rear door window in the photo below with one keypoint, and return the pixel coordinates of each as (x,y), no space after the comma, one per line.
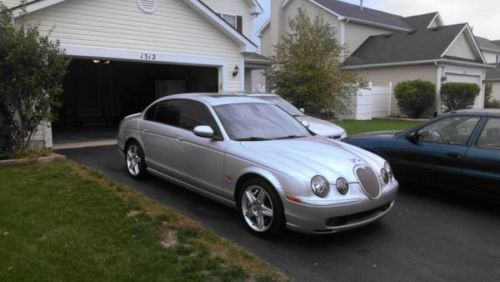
(490,136)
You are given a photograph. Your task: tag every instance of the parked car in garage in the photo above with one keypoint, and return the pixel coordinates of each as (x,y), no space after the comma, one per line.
(316,125)
(456,150)
(252,155)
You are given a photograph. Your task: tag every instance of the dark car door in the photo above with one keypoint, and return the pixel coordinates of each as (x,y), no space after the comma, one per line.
(436,155)
(482,162)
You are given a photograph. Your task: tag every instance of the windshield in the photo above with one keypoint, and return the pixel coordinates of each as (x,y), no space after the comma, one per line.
(259,122)
(282,103)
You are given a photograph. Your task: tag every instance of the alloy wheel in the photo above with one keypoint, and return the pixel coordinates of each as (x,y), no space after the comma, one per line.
(257,208)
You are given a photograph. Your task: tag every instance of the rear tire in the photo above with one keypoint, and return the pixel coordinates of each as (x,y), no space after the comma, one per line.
(135,161)
(261,208)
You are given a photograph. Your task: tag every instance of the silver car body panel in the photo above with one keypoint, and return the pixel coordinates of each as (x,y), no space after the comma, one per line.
(323,127)
(214,168)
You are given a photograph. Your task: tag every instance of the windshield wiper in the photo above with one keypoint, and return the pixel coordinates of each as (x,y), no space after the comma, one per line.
(253,138)
(289,137)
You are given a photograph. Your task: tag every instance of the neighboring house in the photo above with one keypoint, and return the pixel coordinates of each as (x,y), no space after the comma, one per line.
(388,48)
(491,51)
(127,53)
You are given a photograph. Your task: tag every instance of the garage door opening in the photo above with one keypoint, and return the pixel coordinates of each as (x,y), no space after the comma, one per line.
(98,94)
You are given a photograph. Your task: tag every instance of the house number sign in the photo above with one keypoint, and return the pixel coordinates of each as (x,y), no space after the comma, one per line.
(148,57)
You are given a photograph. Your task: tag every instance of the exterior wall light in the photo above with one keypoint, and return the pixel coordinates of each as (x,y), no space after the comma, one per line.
(236,71)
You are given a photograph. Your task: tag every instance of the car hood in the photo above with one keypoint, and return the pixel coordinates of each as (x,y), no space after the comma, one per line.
(312,156)
(322,127)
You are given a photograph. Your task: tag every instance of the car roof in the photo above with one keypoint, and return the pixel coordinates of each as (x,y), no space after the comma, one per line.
(476,112)
(217,99)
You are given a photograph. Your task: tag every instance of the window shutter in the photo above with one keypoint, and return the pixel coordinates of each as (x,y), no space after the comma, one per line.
(239,23)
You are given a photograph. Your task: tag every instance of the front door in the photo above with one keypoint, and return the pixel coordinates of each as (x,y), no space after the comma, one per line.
(437,156)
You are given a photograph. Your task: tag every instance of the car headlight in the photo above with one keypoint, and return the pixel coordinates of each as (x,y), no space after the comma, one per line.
(342,185)
(386,173)
(320,186)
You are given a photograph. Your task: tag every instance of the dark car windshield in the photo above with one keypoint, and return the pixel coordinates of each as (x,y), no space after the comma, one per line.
(282,103)
(259,122)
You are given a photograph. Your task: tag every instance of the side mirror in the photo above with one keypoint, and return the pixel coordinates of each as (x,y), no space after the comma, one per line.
(305,123)
(413,137)
(204,131)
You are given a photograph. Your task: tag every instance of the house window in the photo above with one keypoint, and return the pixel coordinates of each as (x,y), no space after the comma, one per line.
(234,20)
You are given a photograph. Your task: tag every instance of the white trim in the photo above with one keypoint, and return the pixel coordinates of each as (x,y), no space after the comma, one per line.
(247,45)
(339,16)
(33,7)
(263,27)
(342,34)
(285,3)
(135,56)
(222,25)
(440,70)
(256,8)
(437,16)
(242,74)
(471,37)
(422,62)
(370,23)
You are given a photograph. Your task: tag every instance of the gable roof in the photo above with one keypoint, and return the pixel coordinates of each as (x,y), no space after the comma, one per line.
(406,47)
(364,15)
(487,45)
(200,7)
(421,21)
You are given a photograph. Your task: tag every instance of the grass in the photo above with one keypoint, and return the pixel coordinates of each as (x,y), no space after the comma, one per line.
(65,222)
(354,127)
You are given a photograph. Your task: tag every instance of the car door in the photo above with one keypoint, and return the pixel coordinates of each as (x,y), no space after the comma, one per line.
(482,161)
(199,160)
(436,155)
(158,136)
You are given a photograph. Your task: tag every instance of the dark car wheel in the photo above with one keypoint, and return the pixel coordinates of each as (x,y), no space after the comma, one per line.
(261,208)
(134,160)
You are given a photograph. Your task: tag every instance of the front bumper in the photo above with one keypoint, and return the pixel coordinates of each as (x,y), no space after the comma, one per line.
(324,219)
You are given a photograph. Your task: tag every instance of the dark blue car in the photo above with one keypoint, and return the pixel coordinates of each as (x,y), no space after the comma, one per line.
(456,150)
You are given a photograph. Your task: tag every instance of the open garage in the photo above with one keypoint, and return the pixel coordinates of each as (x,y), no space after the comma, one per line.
(99,93)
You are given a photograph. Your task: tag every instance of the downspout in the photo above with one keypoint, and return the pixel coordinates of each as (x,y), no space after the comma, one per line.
(439,77)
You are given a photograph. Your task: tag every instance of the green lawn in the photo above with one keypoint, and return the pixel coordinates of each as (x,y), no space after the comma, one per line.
(64,222)
(362,126)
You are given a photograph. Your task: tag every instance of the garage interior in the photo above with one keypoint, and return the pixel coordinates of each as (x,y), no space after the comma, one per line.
(99,93)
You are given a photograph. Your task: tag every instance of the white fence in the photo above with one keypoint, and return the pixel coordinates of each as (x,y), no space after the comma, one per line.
(372,102)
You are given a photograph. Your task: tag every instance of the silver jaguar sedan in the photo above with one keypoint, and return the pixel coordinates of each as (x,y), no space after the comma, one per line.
(253,155)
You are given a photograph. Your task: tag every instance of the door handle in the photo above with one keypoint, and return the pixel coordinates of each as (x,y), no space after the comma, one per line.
(145,131)
(454,155)
(179,138)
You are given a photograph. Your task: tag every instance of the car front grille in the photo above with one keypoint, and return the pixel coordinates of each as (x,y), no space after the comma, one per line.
(369,181)
(357,217)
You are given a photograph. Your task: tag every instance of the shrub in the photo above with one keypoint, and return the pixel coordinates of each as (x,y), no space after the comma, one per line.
(456,96)
(415,97)
(31,72)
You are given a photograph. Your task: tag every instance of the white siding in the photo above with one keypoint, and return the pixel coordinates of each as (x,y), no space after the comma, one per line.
(10,3)
(356,34)
(174,29)
(266,46)
(490,57)
(461,49)
(234,7)
(495,90)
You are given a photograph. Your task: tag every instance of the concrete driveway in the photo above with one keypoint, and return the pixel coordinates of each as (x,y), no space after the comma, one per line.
(427,236)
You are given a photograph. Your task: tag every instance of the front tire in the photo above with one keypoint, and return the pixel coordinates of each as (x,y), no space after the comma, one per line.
(261,208)
(135,161)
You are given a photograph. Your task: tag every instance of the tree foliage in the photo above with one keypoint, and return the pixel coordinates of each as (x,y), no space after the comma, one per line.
(415,97)
(308,69)
(31,72)
(457,96)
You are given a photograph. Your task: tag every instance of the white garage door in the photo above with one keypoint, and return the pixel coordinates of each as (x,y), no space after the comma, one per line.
(466,79)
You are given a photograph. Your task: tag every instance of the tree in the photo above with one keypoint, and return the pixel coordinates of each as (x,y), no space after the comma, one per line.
(415,97)
(308,70)
(31,72)
(457,96)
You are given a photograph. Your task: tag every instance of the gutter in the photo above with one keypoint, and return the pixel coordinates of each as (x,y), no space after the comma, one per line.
(370,23)
(422,62)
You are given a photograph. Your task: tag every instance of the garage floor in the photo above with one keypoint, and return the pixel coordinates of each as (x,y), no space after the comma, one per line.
(78,137)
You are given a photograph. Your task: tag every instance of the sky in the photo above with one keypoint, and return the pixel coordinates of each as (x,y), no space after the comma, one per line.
(482,15)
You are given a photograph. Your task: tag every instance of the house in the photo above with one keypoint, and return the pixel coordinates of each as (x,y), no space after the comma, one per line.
(491,51)
(127,53)
(388,48)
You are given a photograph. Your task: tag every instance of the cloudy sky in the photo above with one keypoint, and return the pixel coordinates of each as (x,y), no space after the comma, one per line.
(482,15)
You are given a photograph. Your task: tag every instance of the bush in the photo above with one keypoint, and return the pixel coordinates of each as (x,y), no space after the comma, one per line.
(31,73)
(415,97)
(456,96)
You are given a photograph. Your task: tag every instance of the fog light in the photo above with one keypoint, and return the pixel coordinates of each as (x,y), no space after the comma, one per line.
(342,186)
